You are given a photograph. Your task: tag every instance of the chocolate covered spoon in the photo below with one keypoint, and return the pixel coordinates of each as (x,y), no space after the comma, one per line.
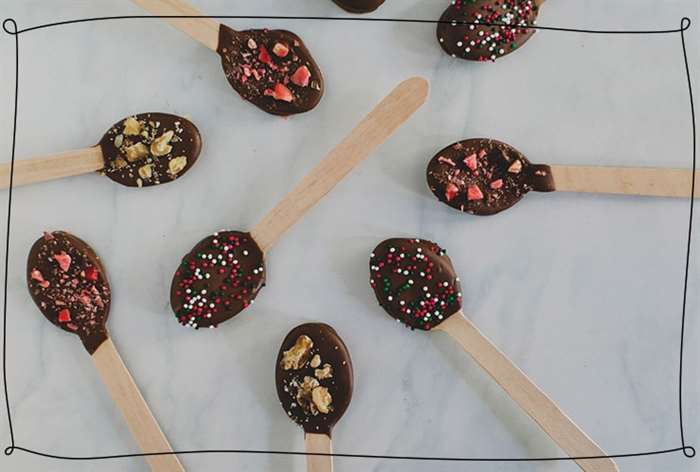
(224,272)
(478,42)
(272,69)
(359,6)
(68,283)
(313,375)
(484,176)
(415,282)
(138,151)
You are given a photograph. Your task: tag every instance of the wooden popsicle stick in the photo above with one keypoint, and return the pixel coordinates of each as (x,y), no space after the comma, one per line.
(372,131)
(573,441)
(138,416)
(651,181)
(204,30)
(320,443)
(56,166)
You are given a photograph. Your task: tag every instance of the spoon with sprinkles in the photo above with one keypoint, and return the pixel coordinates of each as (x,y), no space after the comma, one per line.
(223,273)
(139,151)
(272,69)
(484,176)
(314,380)
(485,30)
(68,283)
(415,282)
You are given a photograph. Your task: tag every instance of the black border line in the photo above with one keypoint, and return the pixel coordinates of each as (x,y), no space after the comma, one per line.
(687,450)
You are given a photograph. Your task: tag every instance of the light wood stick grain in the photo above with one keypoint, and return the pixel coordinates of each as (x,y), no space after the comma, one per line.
(320,443)
(573,441)
(204,30)
(372,131)
(138,416)
(56,166)
(651,181)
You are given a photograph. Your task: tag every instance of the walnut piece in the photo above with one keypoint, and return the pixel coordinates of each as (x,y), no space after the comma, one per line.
(315,361)
(321,399)
(136,151)
(176,165)
(132,127)
(146,171)
(119,163)
(118,140)
(296,357)
(304,394)
(325,373)
(161,145)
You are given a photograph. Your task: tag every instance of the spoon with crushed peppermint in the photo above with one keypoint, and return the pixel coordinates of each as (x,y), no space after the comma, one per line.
(462,33)
(223,273)
(272,69)
(139,151)
(314,381)
(69,285)
(484,176)
(415,282)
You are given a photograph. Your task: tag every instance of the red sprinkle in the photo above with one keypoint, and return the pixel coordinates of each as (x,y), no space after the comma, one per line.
(474,193)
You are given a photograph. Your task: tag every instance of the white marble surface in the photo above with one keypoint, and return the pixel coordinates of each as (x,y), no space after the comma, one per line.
(583,292)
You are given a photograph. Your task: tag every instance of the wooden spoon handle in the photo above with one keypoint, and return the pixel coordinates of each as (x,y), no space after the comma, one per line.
(373,130)
(204,30)
(41,169)
(318,443)
(138,416)
(527,395)
(655,182)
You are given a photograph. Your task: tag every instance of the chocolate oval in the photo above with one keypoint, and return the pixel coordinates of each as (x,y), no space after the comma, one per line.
(272,69)
(314,386)
(68,283)
(217,279)
(359,6)
(486,43)
(484,176)
(415,282)
(150,149)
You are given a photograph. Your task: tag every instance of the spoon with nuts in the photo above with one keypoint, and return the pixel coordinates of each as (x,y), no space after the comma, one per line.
(139,151)
(272,69)
(462,34)
(69,285)
(416,284)
(484,176)
(314,380)
(223,273)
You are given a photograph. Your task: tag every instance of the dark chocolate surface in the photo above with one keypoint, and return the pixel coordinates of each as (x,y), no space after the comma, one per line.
(486,43)
(294,380)
(359,6)
(272,69)
(415,282)
(484,176)
(218,279)
(68,283)
(150,149)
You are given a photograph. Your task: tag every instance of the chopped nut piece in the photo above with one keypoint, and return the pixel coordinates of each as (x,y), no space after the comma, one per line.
(119,163)
(297,355)
(146,172)
(132,127)
(315,361)
(176,165)
(160,146)
(321,399)
(515,167)
(325,373)
(304,392)
(252,44)
(136,151)
(118,140)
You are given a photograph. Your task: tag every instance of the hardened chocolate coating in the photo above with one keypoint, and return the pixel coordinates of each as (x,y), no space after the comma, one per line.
(486,43)
(68,283)
(359,6)
(484,176)
(217,279)
(332,351)
(137,153)
(272,69)
(415,282)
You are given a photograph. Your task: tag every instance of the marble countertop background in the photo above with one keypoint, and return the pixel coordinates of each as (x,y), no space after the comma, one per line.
(583,292)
